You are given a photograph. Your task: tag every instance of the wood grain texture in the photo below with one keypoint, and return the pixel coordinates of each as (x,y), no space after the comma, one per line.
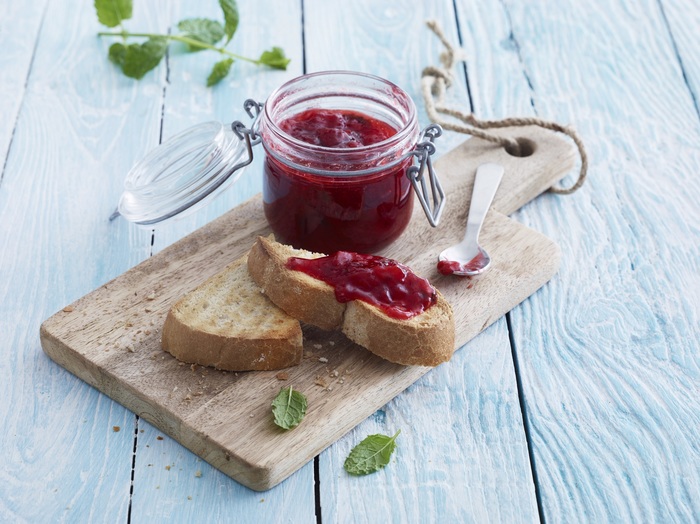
(607,352)
(610,386)
(111,339)
(18,35)
(62,458)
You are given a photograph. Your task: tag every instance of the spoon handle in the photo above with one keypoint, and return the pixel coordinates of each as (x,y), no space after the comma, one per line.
(488,178)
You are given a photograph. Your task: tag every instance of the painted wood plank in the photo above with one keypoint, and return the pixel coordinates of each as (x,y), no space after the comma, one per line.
(682,18)
(20,24)
(63,459)
(611,385)
(191,489)
(462,452)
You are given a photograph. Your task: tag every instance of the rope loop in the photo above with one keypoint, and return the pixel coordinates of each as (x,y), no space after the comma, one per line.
(434,83)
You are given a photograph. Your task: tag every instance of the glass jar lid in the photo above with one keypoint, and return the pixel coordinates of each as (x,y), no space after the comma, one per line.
(183,173)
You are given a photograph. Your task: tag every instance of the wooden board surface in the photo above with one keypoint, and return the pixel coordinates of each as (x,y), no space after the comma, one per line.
(111,337)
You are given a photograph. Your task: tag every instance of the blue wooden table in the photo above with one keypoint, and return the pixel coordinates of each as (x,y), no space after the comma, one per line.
(581,405)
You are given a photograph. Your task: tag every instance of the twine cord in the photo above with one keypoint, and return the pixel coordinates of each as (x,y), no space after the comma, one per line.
(436,80)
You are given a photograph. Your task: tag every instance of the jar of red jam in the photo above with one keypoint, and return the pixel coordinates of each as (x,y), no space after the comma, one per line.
(337,149)
(343,158)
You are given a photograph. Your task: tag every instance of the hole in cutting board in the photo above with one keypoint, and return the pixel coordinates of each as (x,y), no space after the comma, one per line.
(526,148)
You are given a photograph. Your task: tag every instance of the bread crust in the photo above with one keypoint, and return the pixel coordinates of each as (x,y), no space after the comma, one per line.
(425,340)
(299,295)
(187,336)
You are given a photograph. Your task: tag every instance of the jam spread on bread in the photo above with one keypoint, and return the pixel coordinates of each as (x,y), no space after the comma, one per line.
(381,282)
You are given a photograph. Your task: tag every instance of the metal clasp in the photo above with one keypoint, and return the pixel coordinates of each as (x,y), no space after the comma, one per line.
(431,198)
(249,134)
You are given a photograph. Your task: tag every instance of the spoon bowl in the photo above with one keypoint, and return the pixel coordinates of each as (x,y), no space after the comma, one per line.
(468,258)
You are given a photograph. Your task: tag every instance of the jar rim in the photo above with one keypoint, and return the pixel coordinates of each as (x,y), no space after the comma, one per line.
(409,125)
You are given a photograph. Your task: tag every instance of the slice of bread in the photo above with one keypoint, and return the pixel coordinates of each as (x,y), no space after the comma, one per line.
(424,340)
(229,324)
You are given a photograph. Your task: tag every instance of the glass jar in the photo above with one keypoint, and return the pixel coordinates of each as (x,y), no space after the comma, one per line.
(351,192)
(325,198)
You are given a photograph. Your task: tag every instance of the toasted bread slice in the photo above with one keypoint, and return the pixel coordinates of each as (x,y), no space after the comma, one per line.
(229,324)
(424,340)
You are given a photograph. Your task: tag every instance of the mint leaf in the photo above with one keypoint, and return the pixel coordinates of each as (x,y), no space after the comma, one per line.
(112,12)
(274,58)
(117,52)
(139,59)
(289,407)
(202,30)
(219,72)
(230,9)
(370,455)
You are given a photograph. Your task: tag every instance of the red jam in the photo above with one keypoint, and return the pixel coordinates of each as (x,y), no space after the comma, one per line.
(336,128)
(326,213)
(378,281)
(450,267)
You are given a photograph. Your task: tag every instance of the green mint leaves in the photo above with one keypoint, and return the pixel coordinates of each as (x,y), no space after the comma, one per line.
(370,455)
(274,58)
(135,60)
(219,72)
(231,17)
(289,408)
(111,12)
(202,30)
(138,59)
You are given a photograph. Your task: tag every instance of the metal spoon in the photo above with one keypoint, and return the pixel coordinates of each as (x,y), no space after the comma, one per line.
(467,258)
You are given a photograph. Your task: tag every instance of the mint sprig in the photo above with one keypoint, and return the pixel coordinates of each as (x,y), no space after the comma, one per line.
(135,60)
(370,455)
(289,408)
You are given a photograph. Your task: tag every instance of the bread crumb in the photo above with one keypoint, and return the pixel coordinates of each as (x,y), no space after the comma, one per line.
(116,429)
(251,415)
(321,382)
(167,468)
(331,342)
(148,310)
(180,363)
(151,296)
(329,388)
(129,324)
(187,397)
(130,348)
(262,500)
(318,346)
(189,497)
(68,309)
(198,473)
(323,359)
(159,437)
(282,375)
(308,354)
(334,373)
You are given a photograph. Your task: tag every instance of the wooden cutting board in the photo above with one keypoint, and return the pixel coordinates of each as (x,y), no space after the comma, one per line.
(111,337)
